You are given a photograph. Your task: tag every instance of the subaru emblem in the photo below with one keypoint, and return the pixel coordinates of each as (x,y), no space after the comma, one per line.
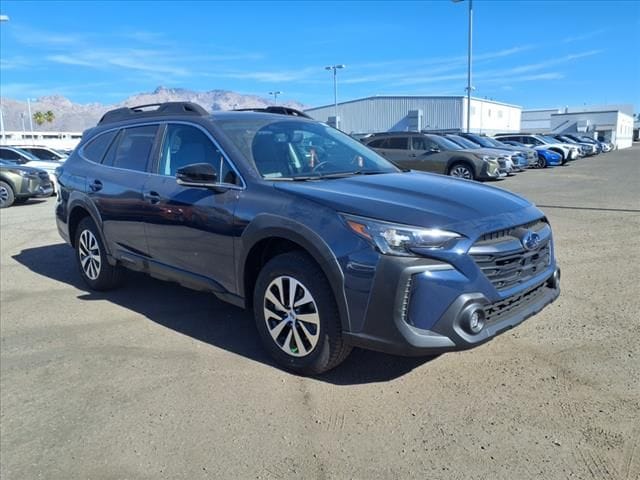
(530,240)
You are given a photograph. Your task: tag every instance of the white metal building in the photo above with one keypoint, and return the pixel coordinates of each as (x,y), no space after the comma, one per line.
(416,113)
(610,123)
(62,140)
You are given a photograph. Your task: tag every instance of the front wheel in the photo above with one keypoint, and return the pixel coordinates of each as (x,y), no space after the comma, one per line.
(461,170)
(6,195)
(95,270)
(297,316)
(542,163)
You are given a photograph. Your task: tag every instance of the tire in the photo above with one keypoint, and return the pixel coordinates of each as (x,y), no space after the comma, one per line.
(319,345)
(461,170)
(542,163)
(6,195)
(94,268)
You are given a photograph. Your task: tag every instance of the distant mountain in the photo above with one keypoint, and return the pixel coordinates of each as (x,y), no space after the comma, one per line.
(71,116)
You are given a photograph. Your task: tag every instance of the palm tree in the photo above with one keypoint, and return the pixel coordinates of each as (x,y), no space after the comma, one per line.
(49,116)
(39,118)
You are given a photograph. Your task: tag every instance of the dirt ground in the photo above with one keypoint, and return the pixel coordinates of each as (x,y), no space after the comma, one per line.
(156,381)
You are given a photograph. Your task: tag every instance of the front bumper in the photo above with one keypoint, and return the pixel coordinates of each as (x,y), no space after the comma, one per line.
(34,186)
(423,307)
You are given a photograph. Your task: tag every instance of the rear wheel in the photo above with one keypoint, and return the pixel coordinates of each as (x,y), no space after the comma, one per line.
(297,316)
(96,271)
(6,195)
(461,170)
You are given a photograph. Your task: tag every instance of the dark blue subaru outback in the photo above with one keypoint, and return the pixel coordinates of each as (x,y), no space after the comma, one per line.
(330,244)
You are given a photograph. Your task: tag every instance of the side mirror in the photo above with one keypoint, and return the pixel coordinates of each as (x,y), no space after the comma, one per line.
(199,175)
(434,150)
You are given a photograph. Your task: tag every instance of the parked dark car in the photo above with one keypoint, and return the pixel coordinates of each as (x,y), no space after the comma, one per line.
(504,159)
(520,157)
(330,244)
(568,151)
(586,149)
(19,183)
(432,153)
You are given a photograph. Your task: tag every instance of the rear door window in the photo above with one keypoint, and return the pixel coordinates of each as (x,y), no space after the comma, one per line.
(94,150)
(398,143)
(376,143)
(134,148)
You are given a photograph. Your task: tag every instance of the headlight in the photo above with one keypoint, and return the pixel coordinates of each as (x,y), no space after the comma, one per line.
(486,158)
(394,239)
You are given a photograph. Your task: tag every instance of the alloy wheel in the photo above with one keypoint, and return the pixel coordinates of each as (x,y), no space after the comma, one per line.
(291,315)
(461,171)
(4,195)
(89,253)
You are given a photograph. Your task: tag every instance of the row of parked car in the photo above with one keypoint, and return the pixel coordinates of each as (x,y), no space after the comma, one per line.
(479,157)
(28,172)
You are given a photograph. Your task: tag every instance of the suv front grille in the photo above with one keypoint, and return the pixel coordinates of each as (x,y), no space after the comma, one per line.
(536,226)
(504,261)
(499,310)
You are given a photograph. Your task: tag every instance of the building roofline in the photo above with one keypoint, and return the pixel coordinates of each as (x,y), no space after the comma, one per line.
(373,97)
(590,111)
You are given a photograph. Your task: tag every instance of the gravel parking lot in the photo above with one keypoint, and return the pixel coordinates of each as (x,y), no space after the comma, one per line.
(156,381)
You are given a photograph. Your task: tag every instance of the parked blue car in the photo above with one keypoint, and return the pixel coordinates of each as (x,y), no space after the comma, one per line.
(546,158)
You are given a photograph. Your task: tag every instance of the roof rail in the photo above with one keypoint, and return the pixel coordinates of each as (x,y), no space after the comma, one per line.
(275,109)
(167,108)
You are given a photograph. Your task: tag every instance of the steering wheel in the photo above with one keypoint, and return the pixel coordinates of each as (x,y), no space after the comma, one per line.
(321,165)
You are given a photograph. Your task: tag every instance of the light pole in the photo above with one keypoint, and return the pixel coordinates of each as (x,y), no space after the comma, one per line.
(30,116)
(275,96)
(3,18)
(335,69)
(469,87)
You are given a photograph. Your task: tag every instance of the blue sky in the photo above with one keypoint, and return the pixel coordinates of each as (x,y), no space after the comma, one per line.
(534,54)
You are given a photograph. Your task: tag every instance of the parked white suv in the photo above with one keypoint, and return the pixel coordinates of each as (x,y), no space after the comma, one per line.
(43,153)
(568,151)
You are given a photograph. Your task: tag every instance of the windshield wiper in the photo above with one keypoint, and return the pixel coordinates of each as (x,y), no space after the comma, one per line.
(326,176)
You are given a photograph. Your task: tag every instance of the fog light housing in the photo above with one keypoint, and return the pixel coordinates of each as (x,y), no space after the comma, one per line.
(473,319)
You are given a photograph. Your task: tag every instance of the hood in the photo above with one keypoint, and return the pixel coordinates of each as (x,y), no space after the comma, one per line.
(22,168)
(492,152)
(420,199)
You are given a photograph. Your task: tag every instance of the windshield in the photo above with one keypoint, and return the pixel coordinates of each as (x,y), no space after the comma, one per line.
(463,142)
(295,149)
(482,141)
(550,139)
(444,143)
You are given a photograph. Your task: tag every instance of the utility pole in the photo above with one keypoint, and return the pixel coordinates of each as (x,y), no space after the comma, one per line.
(30,116)
(275,96)
(335,69)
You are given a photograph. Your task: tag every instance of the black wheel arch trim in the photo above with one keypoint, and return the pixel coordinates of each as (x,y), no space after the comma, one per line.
(9,182)
(466,161)
(81,200)
(267,226)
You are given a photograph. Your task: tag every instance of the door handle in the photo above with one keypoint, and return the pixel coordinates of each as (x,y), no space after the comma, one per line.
(96,186)
(152,197)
